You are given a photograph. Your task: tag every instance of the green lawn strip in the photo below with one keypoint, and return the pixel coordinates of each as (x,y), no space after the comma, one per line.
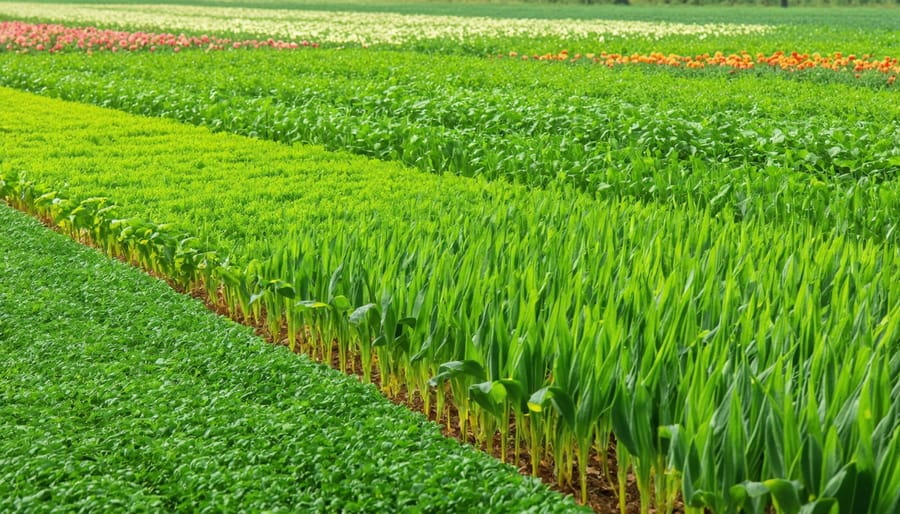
(118,394)
(769,148)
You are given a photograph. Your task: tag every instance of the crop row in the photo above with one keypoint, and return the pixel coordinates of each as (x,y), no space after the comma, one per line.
(346,27)
(791,62)
(351,72)
(21,37)
(737,363)
(839,171)
(119,396)
(443,29)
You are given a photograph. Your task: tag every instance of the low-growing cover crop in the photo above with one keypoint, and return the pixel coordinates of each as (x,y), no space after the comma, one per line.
(119,395)
(738,363)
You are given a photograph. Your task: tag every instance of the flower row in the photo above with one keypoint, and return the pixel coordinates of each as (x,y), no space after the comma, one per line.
(793,61)
(341,27)
(23,37)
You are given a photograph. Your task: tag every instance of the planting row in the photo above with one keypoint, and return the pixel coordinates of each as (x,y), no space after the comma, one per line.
(736,363)
(21,37)
(442,28)
(346,27)
(764,155)
(744,61)
(119,395)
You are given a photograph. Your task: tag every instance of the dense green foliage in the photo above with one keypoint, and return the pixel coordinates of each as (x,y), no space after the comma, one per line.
(750,360)
(119,395)
(783,151)
(702,263)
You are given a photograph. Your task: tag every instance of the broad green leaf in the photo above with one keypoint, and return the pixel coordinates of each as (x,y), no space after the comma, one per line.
(785,495)
(456,369)
(341,303)
(360,315)
(558,398)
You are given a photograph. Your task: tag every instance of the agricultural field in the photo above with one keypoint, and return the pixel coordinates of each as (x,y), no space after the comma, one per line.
(647,254)
(148,402)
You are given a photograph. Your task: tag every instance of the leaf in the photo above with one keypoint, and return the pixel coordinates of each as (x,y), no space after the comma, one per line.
(457,369)
(811,462)
(335,279)
(308,305)
(282,288)
(360,315)
(621,420)
(852,488)
(341,303)
(678,445)
(777,136)
(887,482)
(557,397)
(490,396)
(820,506)
(515,392)
(749,496)
(229,277)
(408,322)
(786,495)
(724,190)
(642,427)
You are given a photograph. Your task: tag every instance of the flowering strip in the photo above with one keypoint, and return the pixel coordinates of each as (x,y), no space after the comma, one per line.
(20,37)
(793,61)
(346,27)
